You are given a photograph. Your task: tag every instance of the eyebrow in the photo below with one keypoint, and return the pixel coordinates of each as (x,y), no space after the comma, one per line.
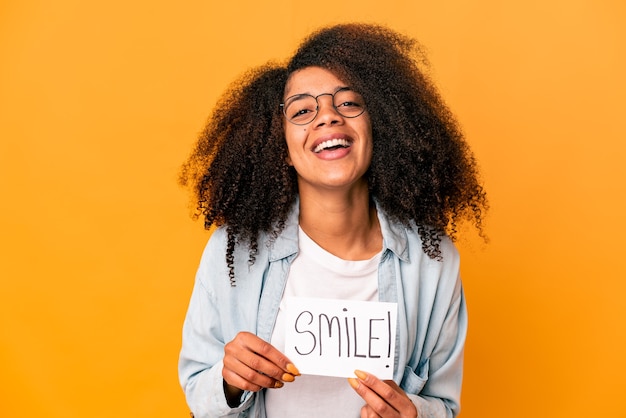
(298,95)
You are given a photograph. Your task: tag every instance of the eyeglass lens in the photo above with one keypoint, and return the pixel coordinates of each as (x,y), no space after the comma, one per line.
(302,108)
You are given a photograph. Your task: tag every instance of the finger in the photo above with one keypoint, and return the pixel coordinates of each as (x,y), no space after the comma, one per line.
(383,389)
(385,398)
(244,378)
(375,403)
(261,356)
(368,412)
(250,364)
(248,369)
(269,352)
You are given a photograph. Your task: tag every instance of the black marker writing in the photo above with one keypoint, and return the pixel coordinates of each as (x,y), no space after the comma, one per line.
(327,336)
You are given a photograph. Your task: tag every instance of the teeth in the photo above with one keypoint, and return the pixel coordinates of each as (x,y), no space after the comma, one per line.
(331,143)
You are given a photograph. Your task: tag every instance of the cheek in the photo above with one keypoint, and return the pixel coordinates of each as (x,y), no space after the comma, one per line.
(295,137)
(291,143)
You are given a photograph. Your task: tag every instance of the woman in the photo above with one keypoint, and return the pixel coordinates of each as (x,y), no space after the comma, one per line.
(341,175)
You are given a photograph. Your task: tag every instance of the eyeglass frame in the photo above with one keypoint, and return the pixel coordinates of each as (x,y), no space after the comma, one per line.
(317,108)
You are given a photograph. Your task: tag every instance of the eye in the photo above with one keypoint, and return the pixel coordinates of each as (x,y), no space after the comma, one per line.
(300,111)
(349,104)
(300,114)
(301,108)
(348,99)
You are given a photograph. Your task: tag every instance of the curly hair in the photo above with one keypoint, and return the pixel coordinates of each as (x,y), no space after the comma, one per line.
(422,173)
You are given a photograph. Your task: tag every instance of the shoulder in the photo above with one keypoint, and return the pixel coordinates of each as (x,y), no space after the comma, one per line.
(449,252)
(213,260)
(214,271)
(442,273)
(406,242)
(215,246)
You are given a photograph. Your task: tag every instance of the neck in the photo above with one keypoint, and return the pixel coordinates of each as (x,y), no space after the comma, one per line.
(344,224)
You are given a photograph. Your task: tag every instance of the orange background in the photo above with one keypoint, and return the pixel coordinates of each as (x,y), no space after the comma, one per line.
(100,103)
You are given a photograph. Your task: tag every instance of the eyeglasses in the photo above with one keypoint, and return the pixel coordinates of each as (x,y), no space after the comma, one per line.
(301,109)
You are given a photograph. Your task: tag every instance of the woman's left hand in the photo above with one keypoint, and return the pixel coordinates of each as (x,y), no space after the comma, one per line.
(383,398)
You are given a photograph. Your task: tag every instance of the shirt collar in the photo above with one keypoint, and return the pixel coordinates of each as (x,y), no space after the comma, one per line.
(286,243)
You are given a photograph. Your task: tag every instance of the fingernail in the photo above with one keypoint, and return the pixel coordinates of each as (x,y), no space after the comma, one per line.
(293,370)
(278,384)
(288,377)
(361,375)
(353,382)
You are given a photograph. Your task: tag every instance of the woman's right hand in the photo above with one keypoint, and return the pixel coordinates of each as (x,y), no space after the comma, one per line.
(252,364)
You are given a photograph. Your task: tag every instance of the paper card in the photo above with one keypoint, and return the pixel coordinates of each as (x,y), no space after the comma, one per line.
(333,337)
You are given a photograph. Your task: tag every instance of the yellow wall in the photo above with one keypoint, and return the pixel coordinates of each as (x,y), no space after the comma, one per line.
(100,102)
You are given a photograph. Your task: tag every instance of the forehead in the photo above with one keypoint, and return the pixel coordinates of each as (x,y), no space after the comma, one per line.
(312,80)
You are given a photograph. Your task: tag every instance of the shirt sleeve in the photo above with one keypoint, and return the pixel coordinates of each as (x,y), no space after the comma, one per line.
(435,385)
(200,362)
(428,407)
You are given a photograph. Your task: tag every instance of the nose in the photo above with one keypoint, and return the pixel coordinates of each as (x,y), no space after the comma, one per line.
(326,112)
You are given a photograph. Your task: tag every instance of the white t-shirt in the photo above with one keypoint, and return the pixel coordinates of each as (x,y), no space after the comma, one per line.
(317,273)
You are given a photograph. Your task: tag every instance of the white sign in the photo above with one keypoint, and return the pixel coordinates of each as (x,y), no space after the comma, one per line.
(332,337)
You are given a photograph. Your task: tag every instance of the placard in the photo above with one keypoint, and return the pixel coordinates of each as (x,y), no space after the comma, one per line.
(334,337)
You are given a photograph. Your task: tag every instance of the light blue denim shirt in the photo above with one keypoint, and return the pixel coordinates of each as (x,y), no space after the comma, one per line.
(432,317)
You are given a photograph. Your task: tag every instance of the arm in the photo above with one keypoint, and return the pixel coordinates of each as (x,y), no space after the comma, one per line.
(222,362)
(440,396)
(201,358)
(437,327)
(207,327)
(441,378)
(437,380)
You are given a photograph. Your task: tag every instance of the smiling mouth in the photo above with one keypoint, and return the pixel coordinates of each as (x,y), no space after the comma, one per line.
(332,144)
